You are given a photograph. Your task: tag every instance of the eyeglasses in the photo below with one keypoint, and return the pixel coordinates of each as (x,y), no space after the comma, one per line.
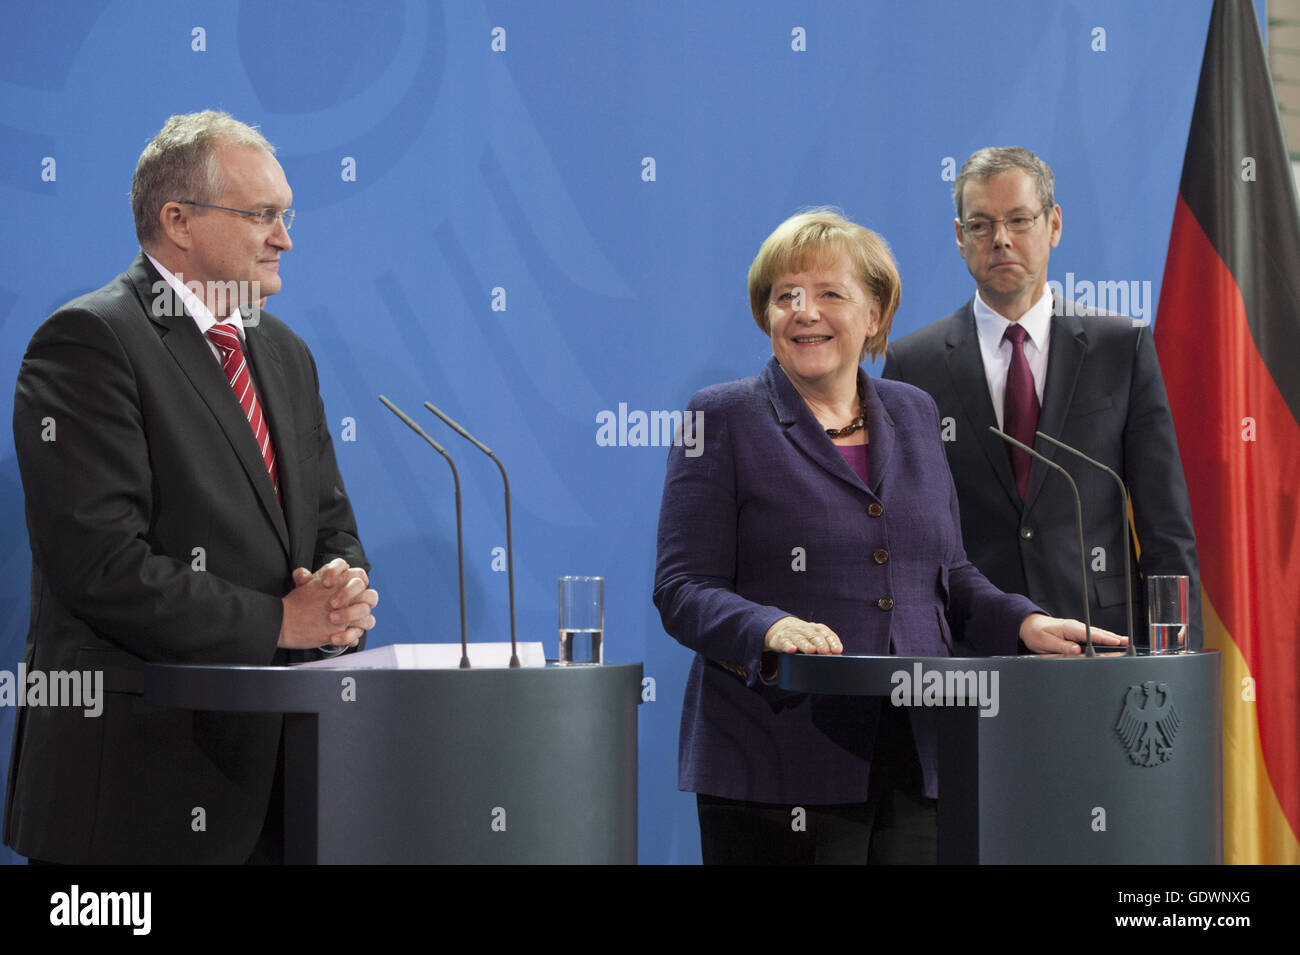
(267,217)
(982,228)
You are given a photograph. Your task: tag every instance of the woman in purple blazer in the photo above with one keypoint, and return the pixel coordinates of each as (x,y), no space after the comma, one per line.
(819,516)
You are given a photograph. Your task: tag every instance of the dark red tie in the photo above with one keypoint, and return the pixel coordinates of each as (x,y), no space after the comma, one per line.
(1019,406)
(226,338)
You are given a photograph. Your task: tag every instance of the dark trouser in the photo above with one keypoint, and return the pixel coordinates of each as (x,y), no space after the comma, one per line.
(897,825)
(269,848)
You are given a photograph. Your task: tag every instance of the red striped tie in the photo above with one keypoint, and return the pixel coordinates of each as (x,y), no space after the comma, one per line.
(226,338)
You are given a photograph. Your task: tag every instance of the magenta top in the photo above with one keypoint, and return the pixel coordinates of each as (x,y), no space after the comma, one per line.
(856,455)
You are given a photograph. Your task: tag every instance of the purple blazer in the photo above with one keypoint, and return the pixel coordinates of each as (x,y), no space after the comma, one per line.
(768,520)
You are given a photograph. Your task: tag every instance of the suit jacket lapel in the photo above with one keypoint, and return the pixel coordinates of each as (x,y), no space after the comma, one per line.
(970,384)
(1064,360)
(180,336)
(277,408)
(881,436)
(806,433)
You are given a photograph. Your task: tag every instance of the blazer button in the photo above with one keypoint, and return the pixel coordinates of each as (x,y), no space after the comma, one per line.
(880,556)
(874,509)
(1027,533)
(885,603)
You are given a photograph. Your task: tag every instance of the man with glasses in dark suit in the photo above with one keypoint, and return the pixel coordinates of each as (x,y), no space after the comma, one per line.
(184,506)
(1015,357)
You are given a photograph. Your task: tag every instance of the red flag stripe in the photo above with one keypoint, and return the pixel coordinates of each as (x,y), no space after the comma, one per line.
(1243,492)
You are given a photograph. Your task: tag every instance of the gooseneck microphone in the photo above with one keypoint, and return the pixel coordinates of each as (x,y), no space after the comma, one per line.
(510,544)
(460,547)
(1128,532)
(1078,523)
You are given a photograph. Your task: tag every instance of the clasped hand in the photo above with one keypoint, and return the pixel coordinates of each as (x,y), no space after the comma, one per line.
(331,607)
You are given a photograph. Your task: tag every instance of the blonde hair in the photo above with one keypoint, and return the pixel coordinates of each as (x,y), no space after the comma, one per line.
(812,235)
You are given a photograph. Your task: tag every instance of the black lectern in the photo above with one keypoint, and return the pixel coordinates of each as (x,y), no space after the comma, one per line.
(1114,760)
(384,766)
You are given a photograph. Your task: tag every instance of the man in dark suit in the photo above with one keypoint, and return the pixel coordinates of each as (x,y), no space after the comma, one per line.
(1015,358)
(180,481)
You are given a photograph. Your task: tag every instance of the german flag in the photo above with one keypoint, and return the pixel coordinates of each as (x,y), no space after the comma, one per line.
(1228,337)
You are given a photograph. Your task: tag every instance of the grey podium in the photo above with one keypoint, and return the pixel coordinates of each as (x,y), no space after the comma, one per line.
(1114,760)
(532,765)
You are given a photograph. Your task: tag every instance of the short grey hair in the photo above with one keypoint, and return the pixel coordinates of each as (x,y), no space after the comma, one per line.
(180,163)
(986,163)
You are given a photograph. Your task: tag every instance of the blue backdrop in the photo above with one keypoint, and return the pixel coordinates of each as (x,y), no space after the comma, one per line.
(533,213)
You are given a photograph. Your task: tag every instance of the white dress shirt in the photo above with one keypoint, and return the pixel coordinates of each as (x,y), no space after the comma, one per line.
(996,350)
(201,314)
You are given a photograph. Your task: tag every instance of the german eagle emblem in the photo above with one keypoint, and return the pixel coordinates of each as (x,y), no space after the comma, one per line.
(1148,723)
